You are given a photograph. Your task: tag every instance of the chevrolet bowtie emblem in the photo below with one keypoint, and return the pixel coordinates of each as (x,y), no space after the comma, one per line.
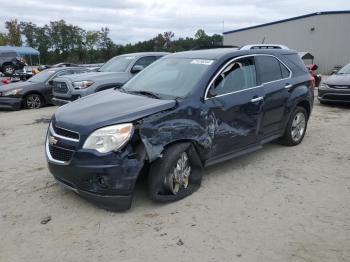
(52,140)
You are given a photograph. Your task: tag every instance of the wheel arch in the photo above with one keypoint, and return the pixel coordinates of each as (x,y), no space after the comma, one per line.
(306,105)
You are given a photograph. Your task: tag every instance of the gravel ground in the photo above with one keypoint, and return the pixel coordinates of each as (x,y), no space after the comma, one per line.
(277,204)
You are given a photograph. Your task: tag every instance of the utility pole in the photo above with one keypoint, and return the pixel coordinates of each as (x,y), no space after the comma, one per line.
(223,30)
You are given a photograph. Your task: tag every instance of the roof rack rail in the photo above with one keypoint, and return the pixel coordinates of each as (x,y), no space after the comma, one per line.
(263,46)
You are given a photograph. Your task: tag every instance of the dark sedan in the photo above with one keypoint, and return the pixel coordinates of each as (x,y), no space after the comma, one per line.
(336,88)
(35,92)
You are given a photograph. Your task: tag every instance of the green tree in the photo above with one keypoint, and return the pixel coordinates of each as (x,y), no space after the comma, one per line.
(14,33)
(168,36)
(3,39)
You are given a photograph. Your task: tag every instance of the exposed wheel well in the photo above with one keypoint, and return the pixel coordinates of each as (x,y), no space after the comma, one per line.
(194,149)
(7,63)
(306,105)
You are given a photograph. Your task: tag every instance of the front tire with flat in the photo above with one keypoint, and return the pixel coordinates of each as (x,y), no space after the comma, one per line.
(175,175)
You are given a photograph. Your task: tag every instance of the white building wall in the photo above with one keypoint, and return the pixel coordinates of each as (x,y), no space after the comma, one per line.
(329,42)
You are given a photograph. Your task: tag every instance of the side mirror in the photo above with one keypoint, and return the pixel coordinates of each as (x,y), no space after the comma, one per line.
(50,82)
(136,69)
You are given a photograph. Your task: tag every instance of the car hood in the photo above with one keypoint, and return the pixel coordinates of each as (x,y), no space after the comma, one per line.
(94,76)
(107,108)
(22,85)
(338,80)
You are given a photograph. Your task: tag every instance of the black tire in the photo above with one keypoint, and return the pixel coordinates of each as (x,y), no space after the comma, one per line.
(8,70)
(160,172)
(288,138)
(33,101)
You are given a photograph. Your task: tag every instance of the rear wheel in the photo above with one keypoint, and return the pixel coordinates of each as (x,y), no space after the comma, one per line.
(33,101)
(8,70)
(296,127)
(175,175)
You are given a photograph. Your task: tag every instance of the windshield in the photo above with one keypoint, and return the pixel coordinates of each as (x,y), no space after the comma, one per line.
(344,70)
(42,76)
(169,77)
(117,64)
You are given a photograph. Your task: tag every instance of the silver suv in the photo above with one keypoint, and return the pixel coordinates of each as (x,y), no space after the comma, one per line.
(114,73)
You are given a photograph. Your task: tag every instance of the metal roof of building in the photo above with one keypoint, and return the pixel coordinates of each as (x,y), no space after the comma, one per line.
(289,19)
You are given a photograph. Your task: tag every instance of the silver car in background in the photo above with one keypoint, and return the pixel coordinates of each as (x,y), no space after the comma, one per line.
(114,73)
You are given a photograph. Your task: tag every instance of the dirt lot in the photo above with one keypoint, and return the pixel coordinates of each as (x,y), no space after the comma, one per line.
(277,204)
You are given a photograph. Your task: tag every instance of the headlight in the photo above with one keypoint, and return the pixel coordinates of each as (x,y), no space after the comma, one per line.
(82,84)
(109,138)
(11,92)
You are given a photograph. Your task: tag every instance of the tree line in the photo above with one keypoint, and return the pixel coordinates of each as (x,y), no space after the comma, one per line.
(59,41)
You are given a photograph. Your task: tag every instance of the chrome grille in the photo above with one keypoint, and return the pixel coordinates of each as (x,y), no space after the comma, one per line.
(60,154)
(65,133)
(60,87)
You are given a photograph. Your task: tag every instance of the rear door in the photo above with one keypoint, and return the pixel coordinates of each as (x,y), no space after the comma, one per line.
(236,103)
(275,78)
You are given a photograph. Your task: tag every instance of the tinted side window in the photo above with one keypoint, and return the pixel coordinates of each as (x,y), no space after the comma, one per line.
(79,71)
(270,69)
(235,77)
(63,73)
(146,61)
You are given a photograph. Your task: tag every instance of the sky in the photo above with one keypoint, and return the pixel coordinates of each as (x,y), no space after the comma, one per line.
(136,20)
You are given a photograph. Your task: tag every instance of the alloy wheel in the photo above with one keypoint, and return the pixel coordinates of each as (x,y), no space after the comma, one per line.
(298,126)
(179,177)
(33,101)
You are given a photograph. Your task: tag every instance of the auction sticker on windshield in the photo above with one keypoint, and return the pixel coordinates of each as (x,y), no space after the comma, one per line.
(130,57)
(202,62)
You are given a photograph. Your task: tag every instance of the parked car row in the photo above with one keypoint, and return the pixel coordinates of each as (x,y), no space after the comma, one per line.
(70,83)
(114,73)
(184,112)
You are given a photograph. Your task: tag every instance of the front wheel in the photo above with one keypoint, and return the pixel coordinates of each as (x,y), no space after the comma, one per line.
(175,175)
(9,70)
(33,101)
(296,127)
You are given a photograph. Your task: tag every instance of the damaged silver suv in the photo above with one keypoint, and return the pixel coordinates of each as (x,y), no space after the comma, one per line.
(186,111)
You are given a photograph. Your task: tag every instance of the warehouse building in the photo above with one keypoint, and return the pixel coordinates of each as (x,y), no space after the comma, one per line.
(326,35)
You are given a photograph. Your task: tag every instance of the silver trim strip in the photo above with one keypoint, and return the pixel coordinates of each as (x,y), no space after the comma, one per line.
(67,186)
(51,159)
(240,57)
(52,131)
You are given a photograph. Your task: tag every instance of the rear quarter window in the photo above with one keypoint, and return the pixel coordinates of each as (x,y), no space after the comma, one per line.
(296,61)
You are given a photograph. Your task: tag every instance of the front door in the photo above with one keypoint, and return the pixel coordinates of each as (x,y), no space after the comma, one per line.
(236,103)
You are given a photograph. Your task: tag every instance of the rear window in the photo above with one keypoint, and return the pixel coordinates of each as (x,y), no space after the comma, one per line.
(296,60)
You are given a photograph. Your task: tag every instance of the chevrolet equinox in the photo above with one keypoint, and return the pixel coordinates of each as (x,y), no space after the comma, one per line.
(184,112)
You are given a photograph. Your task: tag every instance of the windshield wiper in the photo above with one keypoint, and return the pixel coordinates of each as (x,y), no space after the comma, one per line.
(143,92)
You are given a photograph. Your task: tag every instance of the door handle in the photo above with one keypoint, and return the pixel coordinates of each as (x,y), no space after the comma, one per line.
(257,99)
(287,86)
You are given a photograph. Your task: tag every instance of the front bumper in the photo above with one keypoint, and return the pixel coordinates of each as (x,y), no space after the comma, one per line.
(59,102)
(334,95)
(10,103)
(108,202)
(107,180)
